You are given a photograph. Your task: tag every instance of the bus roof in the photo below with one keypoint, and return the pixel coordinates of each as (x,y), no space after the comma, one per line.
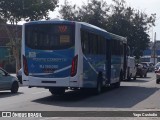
(51,21)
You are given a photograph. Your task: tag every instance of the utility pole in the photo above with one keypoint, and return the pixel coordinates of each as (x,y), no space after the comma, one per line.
(154,49)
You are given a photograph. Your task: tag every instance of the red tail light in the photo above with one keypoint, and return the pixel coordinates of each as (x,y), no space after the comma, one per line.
(74,66)
(25,65)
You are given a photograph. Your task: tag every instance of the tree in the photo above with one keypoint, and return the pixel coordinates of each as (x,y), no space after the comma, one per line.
(14,11)
(131,23)
(117,18)
(68,11)
(94,12)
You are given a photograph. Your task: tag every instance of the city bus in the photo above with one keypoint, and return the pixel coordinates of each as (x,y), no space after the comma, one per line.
(60,55)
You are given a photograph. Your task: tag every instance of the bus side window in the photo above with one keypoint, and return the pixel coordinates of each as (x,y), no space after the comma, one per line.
(101,45)
(85,42)
(92,43)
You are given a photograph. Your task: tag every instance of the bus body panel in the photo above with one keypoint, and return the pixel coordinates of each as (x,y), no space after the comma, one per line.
(48,82)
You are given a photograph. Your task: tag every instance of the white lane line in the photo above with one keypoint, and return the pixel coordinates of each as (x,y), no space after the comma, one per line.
(40,92)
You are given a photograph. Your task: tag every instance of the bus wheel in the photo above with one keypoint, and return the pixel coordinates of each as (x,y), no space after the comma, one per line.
(98,89)
(57,91)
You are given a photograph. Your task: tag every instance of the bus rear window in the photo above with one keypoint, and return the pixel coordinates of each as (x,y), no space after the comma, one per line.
(49,36)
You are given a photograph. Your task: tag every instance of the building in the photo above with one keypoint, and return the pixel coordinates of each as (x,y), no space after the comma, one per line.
(9,36)
(152,54)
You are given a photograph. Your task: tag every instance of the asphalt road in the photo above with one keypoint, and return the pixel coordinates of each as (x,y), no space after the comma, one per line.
(135,95)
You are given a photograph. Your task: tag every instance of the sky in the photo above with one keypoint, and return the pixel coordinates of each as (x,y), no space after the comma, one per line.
(147,6)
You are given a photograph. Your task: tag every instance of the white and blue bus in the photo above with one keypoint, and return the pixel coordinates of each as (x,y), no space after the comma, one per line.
(60,55)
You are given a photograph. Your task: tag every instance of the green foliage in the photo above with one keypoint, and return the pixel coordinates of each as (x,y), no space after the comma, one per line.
(131,23)
(68,11)
(95,12)
(15,10)
(117,18)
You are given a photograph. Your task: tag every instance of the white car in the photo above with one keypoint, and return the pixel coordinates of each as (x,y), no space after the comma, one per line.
(157,71)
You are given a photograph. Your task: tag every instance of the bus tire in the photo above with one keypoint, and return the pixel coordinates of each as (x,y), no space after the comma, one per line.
(57,91)
(98,88)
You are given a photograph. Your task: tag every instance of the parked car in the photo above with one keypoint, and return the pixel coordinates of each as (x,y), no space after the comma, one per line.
(19,75)
(141,70)
(157,66)
(146,65)
(157,71)
(151,66)
(8,82)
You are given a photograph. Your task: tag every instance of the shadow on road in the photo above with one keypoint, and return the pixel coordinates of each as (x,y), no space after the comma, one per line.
(123,97)
(138,81)
(8,94)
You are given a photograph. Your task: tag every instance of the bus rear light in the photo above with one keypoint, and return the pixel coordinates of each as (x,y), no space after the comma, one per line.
(25,66)
(74,66)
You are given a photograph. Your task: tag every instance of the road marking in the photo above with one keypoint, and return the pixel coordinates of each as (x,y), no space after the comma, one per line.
(40,92)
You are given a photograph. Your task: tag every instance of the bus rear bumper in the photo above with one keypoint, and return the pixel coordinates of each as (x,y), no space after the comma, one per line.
(50,82)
